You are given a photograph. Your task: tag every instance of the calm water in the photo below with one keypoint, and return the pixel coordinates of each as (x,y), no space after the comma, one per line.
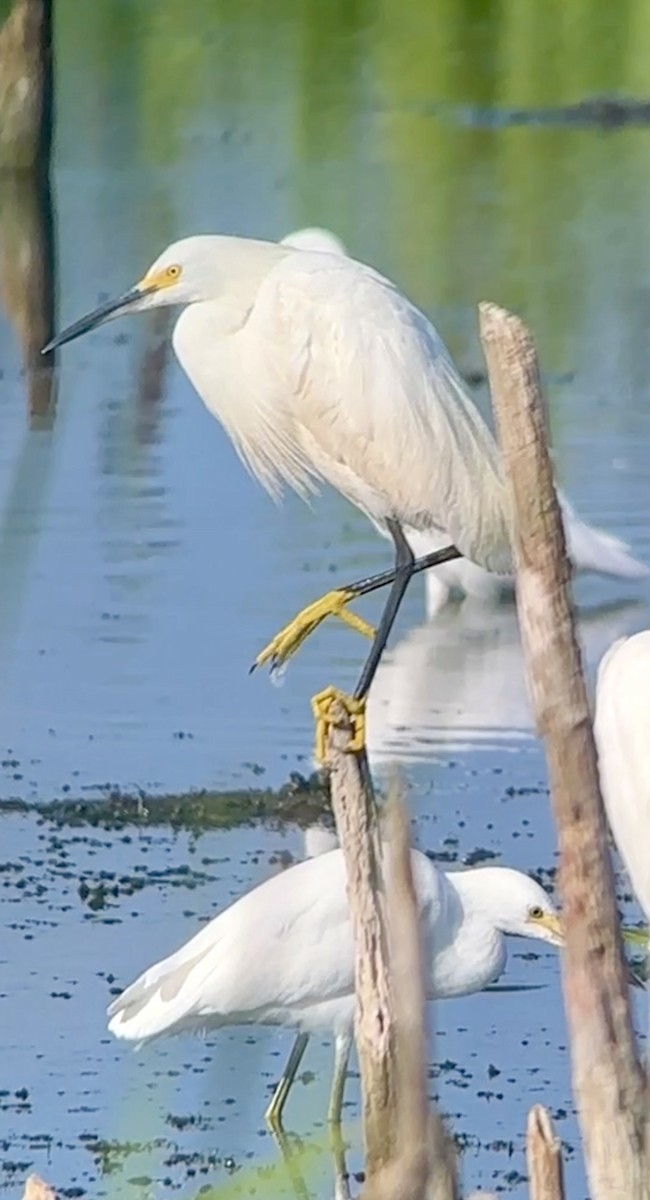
(142,569)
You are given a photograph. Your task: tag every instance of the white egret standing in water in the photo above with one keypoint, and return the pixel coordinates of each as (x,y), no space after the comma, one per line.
(590,549)
(321,370)
(283,955)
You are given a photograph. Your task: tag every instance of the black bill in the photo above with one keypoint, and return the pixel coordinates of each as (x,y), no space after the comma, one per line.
(110,308)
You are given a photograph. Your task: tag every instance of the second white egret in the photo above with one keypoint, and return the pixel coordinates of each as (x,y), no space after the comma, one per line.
(283,954)
(622,732)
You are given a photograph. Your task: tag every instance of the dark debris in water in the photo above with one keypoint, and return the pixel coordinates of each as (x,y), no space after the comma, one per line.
(607,113)
(301,801)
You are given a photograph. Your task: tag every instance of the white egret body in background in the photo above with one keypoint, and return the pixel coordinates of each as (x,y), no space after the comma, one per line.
(458,683)
(320,369)
(314,237)
(590,549)
(283,955)
(622,731)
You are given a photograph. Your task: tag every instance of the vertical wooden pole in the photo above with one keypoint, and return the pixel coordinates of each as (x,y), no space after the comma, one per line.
(608,1080)
(408,1153)
(26,86)
(357,827)
(27,240)
(544,1157)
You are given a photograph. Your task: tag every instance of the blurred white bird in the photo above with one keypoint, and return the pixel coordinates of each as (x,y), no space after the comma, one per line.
(321,370)
(590,549)
(459,683)
(314,237)
(283,954)
(622,731)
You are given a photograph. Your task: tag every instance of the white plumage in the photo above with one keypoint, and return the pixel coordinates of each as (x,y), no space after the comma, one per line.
(590,549)
(320,369)
(622,731)
(314,237)
(283,953)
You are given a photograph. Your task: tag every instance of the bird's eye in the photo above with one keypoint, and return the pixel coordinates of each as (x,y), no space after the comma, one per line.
(535,913)
(173,272)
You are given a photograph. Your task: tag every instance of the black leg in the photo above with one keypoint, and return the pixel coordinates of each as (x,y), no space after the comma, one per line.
(363,587)
(404,564)
(291,636)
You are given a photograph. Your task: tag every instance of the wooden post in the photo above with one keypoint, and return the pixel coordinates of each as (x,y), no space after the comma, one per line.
(543,1156)
(37,1189)
(26,89)
(27,280)
(608,1080)
(357,827)
(424,1163)
(27,260)
(408,1154)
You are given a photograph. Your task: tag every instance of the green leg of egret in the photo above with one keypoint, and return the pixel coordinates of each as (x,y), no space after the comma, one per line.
(342,1045)
(273,1114)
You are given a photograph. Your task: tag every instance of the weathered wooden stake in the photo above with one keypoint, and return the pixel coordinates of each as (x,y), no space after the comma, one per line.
(425,1159)
(544,1157)
(26,88)
(608,1081)
(408,1154)
(357,826)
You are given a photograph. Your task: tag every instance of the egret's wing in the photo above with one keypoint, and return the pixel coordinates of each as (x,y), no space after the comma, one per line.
(286,944)
(591,549)
(379,407)
(282,948)
(622,729)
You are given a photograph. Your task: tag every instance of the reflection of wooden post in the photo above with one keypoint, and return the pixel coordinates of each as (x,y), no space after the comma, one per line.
(27,277)
(26,86)
(26,223)
(608,1081)
(544,1157)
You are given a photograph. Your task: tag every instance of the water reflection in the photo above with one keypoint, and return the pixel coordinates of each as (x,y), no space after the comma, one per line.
(458,682)
(298,1158)
(27,259)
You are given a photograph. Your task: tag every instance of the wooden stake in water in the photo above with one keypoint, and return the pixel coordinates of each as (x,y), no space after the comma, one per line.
(609,1083)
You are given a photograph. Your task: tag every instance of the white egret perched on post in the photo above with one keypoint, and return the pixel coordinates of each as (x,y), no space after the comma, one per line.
(591,550)
(321,370)
(283,955)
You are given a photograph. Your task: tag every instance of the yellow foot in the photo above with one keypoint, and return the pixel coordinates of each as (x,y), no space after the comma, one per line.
(290,638)
(321,706)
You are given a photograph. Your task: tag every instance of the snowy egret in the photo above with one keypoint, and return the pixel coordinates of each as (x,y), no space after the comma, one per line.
(283,954)
(622,731)
(591,550)
(320,369)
